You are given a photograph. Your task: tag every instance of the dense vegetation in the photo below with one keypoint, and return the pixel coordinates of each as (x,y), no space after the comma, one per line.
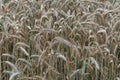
(59,39)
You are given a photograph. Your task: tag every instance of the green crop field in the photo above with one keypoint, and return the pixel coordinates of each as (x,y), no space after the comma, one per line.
(59,39)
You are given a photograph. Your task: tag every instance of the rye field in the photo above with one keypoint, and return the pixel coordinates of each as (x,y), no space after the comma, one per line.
(59,39)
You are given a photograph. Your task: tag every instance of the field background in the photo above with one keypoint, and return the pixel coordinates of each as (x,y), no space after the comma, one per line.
(59,39)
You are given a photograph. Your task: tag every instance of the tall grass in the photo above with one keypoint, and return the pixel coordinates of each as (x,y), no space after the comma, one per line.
(59,40)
